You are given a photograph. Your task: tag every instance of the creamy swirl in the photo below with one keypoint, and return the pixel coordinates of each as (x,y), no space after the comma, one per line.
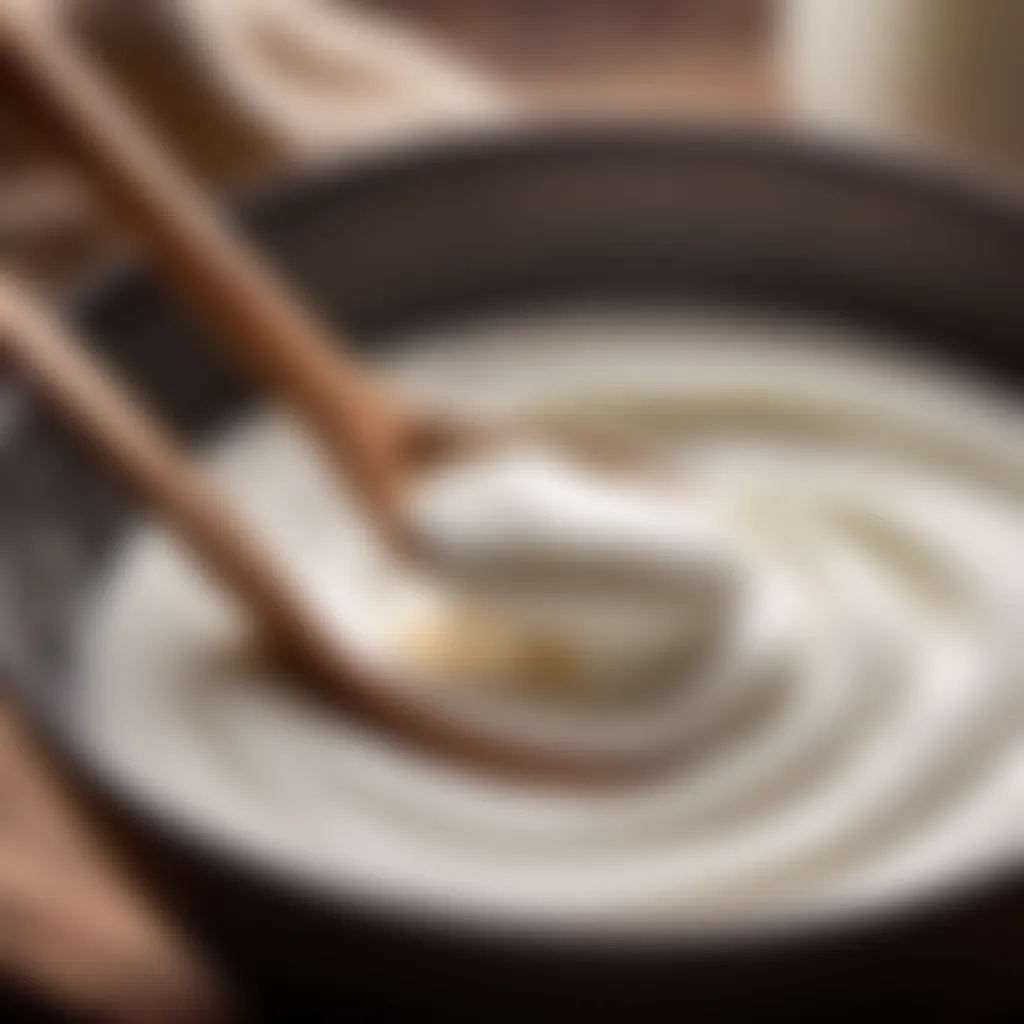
(855,732)
(546,571)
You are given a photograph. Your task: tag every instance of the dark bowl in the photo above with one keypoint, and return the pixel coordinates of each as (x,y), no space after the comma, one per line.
(434,232)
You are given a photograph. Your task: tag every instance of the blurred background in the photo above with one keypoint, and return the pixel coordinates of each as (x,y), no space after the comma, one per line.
(248,89)
(243,89)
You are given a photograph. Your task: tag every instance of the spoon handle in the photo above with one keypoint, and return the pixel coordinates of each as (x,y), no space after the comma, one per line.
(247,307)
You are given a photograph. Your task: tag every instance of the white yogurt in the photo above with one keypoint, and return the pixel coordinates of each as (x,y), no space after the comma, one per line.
(853,733)
(576,574)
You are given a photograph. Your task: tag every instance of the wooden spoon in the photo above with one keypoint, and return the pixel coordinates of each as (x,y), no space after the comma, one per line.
(376,440)
(127,438)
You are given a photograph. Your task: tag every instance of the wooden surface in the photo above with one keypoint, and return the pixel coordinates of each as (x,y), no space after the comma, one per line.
(75,932)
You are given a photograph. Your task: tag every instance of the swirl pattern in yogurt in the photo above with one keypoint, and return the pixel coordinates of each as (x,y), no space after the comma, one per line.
(855,732)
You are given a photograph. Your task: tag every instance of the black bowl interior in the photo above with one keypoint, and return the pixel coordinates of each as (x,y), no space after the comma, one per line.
(437,232)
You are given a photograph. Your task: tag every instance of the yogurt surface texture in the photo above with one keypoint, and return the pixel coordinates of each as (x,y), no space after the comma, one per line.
(552,570)
(850,718)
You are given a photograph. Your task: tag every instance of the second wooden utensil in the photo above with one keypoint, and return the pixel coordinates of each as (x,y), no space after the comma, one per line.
(128,440)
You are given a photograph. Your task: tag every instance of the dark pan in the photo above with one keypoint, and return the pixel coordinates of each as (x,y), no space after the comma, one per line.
(490,223)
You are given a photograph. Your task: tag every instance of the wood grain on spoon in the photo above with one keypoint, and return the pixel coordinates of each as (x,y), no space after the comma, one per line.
(133,444)
(246,306)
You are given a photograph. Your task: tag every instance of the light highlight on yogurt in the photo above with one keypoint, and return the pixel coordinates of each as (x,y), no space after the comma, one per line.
(561,574)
